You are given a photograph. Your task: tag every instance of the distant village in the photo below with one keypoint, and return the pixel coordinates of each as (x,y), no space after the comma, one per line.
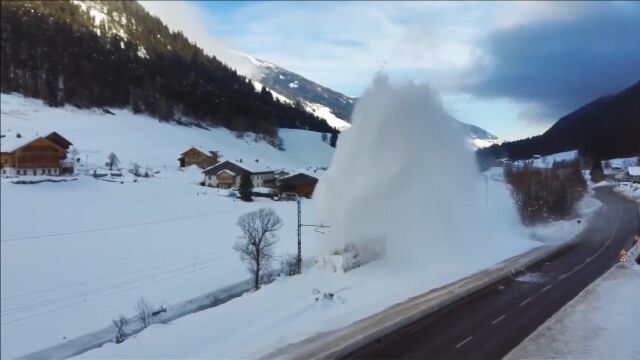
(50,155)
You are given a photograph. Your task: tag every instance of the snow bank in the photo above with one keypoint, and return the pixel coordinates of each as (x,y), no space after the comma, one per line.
(403,181)
(600,323)
(564,230)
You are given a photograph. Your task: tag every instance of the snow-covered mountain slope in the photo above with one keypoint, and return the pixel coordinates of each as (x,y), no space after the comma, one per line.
(319,110)
(96,134)
(330,105)
(479,138)
(294,86)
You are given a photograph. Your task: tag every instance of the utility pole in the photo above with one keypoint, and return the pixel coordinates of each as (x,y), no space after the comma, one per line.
(299,258)
(300,225)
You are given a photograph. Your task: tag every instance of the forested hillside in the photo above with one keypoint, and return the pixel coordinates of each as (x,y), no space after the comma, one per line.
(57,51)
(606,128)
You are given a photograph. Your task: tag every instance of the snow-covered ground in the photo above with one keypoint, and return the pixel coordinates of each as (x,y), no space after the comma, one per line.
(631,190)
(77,254)
(548,160)
(295,308)
(600,323)
(554,232)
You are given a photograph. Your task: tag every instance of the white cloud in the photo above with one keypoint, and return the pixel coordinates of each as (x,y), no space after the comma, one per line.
(343,44)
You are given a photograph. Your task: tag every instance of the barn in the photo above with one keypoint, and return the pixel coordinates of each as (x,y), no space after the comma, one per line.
(198,157)
(299,183)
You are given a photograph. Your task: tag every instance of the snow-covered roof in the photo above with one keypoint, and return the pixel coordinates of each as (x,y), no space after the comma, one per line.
(196,148)
(634,170)
(227,171)
(250,166)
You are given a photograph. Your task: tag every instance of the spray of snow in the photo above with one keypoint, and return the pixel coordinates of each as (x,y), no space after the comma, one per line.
(403,182)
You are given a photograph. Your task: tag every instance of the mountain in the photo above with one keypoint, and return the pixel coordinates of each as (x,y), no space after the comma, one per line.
(328,104)
(114,53)
(606,128)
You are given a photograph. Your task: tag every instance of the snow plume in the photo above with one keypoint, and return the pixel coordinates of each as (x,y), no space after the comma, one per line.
(402,181)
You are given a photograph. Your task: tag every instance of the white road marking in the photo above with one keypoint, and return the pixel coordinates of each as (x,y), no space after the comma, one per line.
(526,301)
(546,288)
(588,260)
(498,319)
(464,341)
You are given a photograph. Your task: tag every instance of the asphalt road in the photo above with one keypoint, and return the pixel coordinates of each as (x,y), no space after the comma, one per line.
(491,322)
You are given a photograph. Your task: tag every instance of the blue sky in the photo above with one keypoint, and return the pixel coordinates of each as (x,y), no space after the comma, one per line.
(510,67)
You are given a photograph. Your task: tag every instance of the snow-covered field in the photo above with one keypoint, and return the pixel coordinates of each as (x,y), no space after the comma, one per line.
(600,323)
(79,253)
(295,308)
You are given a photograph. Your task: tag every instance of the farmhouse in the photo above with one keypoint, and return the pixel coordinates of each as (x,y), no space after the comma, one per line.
(300,183)
(227,175)
(39,156)
(195,156)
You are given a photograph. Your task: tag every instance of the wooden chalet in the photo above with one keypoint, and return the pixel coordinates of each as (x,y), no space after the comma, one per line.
(300,183)
(40,156)
(195,156)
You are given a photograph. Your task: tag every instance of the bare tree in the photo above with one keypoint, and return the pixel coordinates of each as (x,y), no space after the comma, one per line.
(143,312)
(119,324)
(113,160)
(259,236)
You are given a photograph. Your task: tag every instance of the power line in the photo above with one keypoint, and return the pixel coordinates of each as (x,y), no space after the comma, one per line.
(101,296)
(83,293)
(115,227)
(99,289)
(152,280)
(79,283)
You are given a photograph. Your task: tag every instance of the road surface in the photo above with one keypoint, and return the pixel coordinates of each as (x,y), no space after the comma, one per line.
(493,321)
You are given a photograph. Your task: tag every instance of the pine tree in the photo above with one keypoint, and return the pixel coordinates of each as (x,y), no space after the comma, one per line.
(246,187)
